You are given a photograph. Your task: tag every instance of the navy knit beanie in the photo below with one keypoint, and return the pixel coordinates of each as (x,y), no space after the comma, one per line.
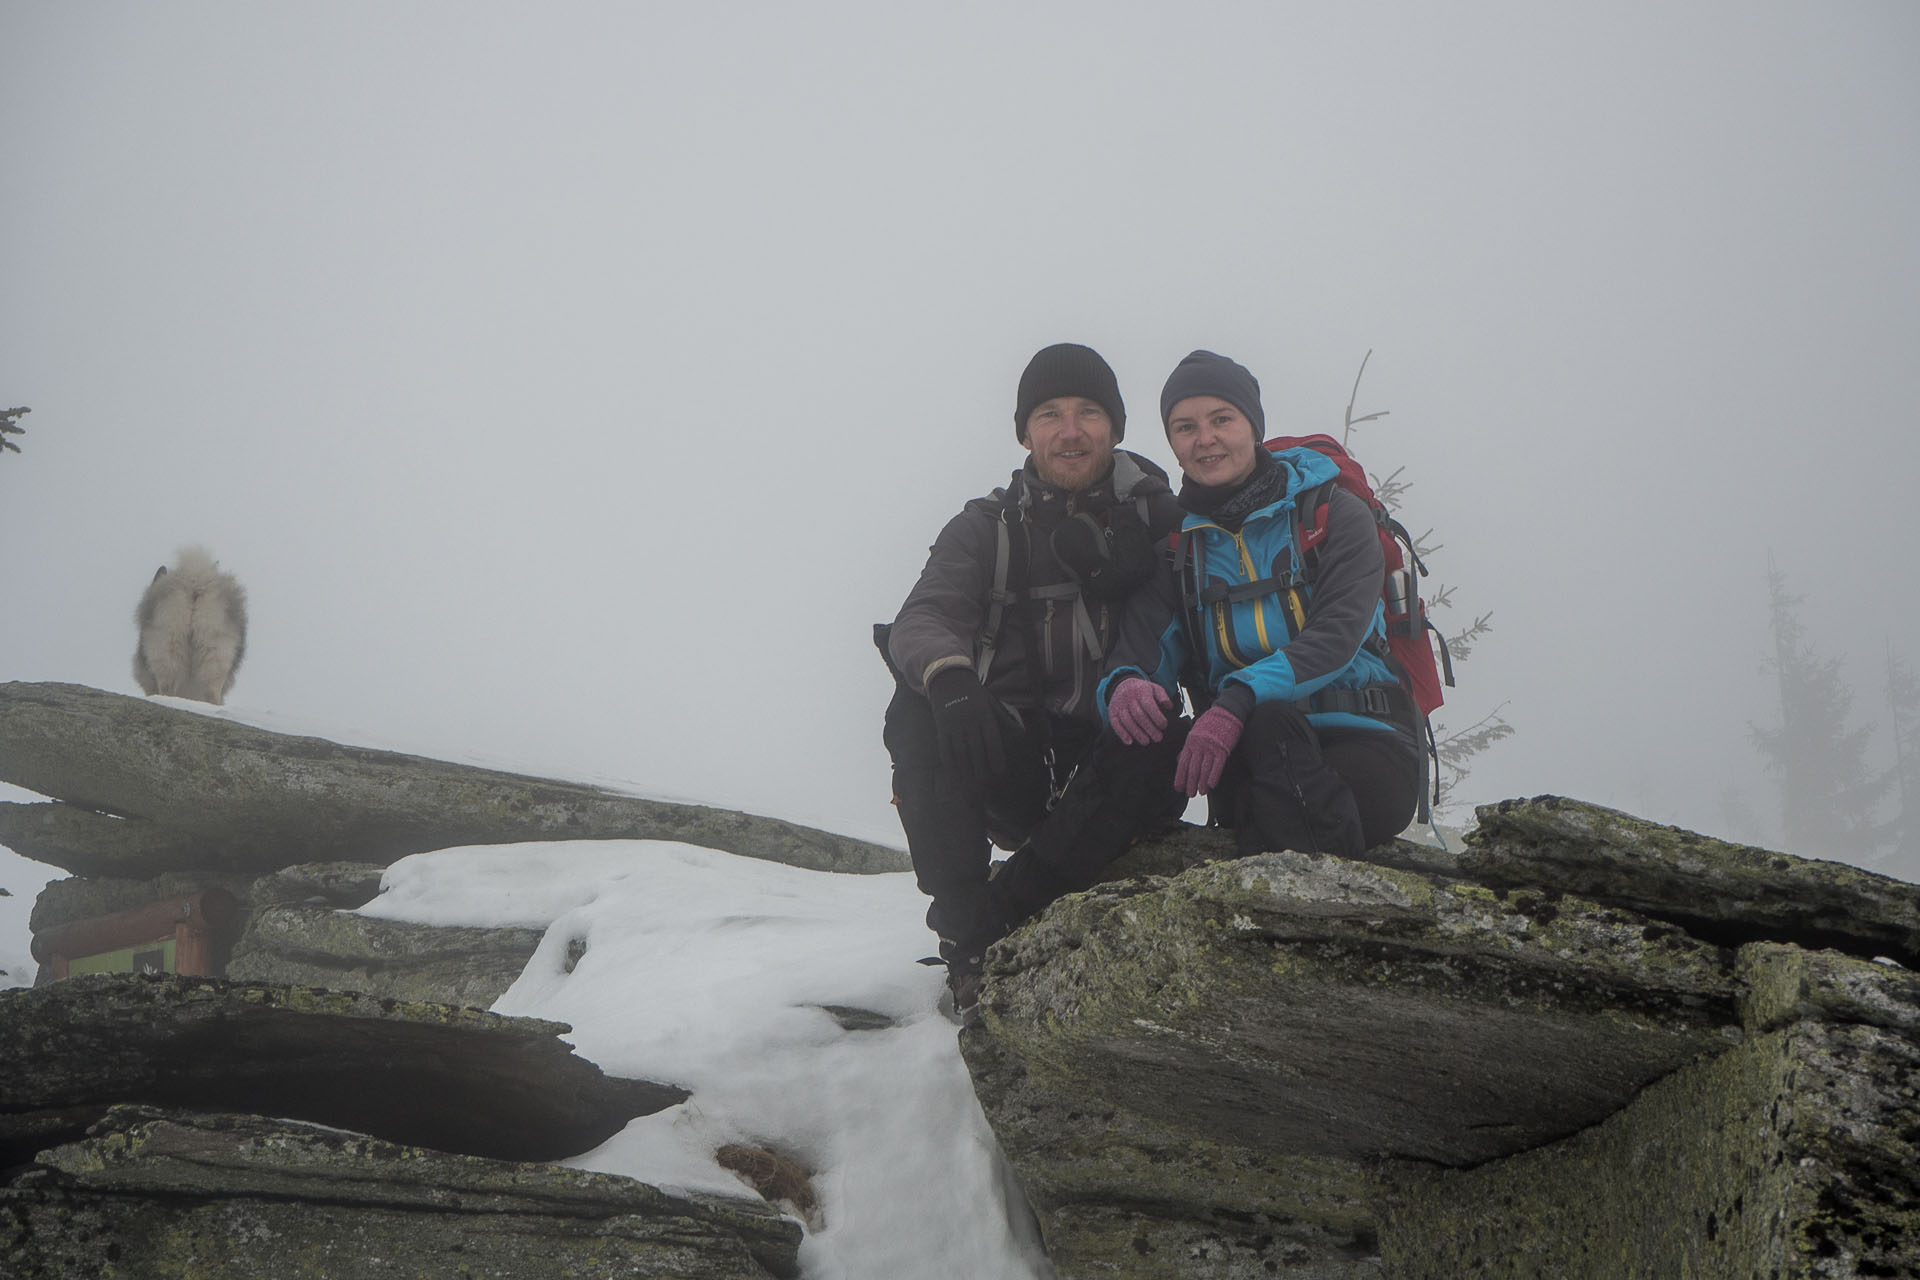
(1068,369)
(1205,374)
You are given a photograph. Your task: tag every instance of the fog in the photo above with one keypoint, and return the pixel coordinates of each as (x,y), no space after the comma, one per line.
(573,385)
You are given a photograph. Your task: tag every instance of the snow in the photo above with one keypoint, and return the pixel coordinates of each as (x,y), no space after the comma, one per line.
(716,972)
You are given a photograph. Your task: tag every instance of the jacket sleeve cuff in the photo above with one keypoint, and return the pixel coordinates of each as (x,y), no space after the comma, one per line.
(938,665)
(1110,682)
(1236,699)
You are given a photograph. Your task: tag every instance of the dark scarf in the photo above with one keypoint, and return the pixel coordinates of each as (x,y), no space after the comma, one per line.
(1045,503)
(1228,505)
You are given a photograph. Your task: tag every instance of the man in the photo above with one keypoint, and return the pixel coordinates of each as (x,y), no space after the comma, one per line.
(994,730)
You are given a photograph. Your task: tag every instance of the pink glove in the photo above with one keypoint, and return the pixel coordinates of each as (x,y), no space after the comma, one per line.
(1204,758)
(1137,710)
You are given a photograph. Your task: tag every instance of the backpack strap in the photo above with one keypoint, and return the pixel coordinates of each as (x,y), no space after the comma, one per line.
(1446,654)
(1405,539)
(1310,522)
(1429,754)
(1012,564)
(1193,676)
(1089,637)
(998,596)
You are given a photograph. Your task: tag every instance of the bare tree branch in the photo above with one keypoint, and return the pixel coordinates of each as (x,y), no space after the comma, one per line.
(1352,421)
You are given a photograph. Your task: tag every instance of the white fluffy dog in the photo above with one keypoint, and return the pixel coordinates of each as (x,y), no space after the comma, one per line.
(193,629)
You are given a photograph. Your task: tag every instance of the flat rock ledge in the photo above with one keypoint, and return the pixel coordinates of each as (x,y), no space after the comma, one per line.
(321,947)
(140,788)
(416,1074)
(1303,1066)
(150,1192)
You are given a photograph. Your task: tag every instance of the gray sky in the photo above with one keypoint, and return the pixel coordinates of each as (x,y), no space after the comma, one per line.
(573,385)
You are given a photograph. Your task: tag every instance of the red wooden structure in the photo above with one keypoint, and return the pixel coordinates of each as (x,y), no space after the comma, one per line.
(136,940)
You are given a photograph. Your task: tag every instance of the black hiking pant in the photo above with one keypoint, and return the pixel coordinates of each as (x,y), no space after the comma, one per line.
(1060,845)
(1289,785)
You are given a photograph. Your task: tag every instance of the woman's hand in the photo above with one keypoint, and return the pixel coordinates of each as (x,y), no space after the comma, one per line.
(1211,740)
(1137,710)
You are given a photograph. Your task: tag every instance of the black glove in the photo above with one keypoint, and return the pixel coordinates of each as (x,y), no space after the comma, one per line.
(966,725)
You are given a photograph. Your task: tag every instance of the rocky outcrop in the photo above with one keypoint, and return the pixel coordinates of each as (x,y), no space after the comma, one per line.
(410,1073)
(1580,1046)
(140,788)
(154,802)
(227,1197)
(134,1136)
(1460,1065)
(321,947)
(1790,1154)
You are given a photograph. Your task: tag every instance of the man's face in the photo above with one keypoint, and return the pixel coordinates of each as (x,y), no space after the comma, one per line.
(1071,440)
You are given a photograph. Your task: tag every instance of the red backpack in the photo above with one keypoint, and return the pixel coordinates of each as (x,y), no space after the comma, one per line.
(1410,633)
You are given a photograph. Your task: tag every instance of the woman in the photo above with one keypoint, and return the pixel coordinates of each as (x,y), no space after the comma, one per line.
(1304,738)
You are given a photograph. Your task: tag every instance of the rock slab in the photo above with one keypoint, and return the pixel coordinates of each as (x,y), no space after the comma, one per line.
(414,1074)
(140,788)
(1585,1046)
(233,1197)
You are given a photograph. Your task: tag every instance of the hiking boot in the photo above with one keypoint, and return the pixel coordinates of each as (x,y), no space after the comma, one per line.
(964,986)
(963,979)
(961,1004)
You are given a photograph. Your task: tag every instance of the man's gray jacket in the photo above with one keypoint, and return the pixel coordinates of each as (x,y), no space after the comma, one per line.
(950,619)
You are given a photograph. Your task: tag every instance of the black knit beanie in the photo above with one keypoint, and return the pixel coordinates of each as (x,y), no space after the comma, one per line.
(1068,369)
(1205,374)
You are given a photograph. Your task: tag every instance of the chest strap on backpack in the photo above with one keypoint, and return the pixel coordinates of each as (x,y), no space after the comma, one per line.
(1236,592)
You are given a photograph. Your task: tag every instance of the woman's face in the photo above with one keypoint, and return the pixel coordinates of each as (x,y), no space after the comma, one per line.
(1212,440)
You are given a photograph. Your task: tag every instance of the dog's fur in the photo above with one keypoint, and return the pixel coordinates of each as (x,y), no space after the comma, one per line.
(193,630)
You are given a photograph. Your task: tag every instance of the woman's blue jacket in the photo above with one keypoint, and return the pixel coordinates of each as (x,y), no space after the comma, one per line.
(1280,645)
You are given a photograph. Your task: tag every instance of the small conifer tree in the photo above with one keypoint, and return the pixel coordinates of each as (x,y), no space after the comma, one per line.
(1456,748)
(10,426)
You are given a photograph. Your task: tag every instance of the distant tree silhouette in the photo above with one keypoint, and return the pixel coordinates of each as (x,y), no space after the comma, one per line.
(1829,794)
(1903,709)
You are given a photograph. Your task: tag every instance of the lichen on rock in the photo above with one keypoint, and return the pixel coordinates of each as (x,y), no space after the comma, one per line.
(1586,1046)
